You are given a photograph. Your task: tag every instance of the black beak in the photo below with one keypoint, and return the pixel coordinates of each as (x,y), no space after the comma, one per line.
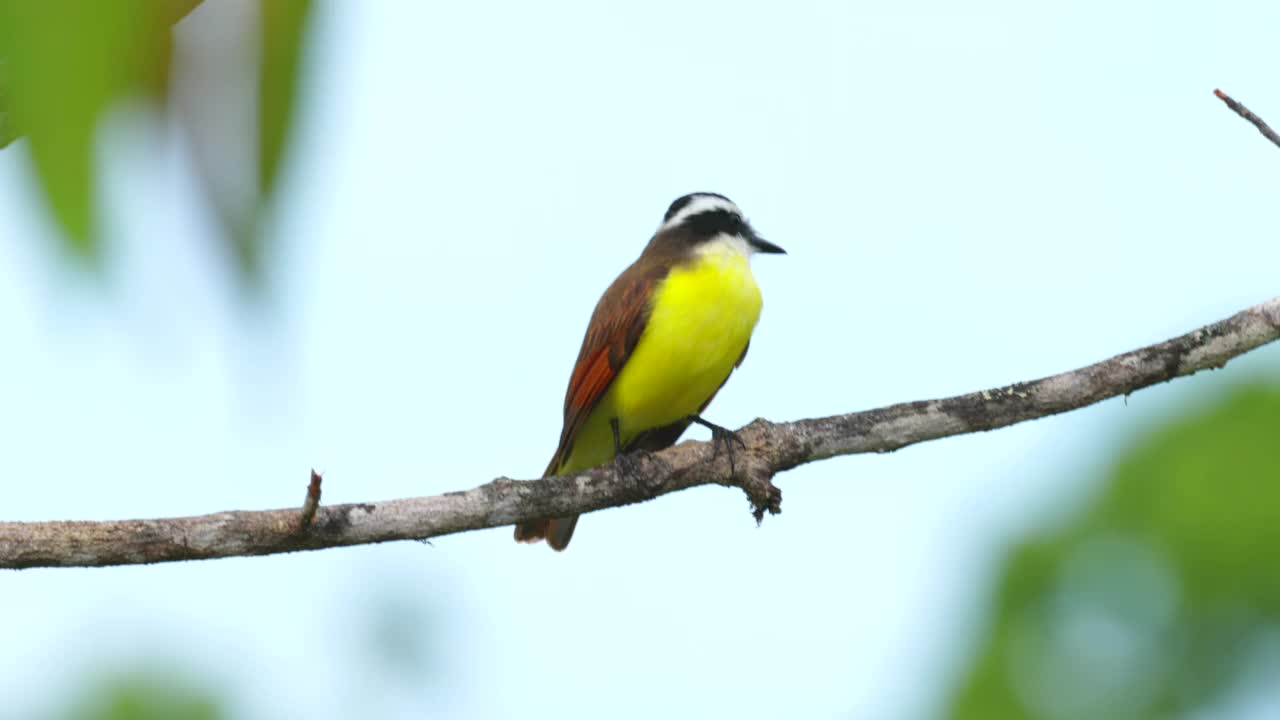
(764,246)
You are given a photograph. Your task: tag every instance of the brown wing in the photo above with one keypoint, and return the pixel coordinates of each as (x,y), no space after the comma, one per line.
(616,325)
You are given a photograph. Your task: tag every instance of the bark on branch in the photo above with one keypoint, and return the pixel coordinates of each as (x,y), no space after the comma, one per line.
(771,448)
(1248,115)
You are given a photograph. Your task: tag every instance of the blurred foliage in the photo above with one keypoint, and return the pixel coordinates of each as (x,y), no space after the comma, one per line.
(386,655)
(144,696)
(64,63)
(1159,599)
(396,637)
(282,24)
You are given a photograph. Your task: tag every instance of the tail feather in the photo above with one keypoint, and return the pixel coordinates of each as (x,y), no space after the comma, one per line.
(557,531)
(560,531)
(532,531)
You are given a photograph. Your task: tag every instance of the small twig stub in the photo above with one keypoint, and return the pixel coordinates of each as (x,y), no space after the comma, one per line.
(312,502)
(1247,114)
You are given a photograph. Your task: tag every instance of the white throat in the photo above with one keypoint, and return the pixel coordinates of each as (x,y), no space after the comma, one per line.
(725,244)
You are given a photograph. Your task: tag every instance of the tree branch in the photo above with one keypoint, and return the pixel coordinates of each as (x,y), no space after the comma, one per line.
(770,448)
(1247,114)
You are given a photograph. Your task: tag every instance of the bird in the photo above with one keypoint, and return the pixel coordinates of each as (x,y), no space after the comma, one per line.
(662,341)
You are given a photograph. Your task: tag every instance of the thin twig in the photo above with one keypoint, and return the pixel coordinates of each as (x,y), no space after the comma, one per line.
(770,448)
(312,501)
(1247,114)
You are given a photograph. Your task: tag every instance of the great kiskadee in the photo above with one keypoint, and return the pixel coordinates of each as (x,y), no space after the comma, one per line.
(662,341)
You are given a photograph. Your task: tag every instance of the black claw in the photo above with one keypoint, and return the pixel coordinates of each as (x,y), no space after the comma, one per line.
(721,436)
(629,466)
(617,441)
(629,463)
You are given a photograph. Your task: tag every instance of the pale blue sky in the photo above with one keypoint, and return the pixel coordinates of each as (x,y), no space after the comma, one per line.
(971,194)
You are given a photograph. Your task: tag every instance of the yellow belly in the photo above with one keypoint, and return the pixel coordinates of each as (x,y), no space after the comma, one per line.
(701,319)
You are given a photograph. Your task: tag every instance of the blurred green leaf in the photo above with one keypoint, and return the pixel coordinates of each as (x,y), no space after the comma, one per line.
(174,10)
(282,30)
(397,636)
(1155,600)
(65,62)
(283,23)
(8,131)
(144,697)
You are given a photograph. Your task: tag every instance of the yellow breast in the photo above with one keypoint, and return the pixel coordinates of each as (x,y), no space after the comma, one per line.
(700,321)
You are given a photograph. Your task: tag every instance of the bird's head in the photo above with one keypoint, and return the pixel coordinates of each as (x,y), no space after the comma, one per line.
(708,221)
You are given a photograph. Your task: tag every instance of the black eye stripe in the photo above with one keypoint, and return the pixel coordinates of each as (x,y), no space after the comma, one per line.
(714,222)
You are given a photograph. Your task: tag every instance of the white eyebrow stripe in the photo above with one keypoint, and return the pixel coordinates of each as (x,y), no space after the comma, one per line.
(700,204)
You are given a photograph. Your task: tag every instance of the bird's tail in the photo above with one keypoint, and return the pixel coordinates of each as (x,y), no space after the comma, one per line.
(556,531)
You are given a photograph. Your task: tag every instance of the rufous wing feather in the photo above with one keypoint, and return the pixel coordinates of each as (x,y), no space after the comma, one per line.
(615,328)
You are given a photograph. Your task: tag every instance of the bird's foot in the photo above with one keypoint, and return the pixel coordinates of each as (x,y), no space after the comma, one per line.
(631,466)
(631,463)
(721,437)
